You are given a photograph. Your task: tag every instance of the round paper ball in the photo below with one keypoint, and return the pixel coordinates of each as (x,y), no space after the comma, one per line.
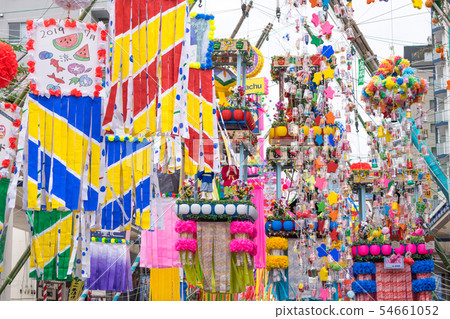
(72,4)
(354,251)
(242,209)
(276,225)
(375,250)
(386,250)
(183,209)
(219,209)
(206,209)
(400,250)
(272,133)
(281,131)
(8,64)
(288,225)
(306,214)
(421,249)
(351,294)
(411,248)
(196,209)
(363,250)
(238,115)
(385,230)
(230,209)
(226,115)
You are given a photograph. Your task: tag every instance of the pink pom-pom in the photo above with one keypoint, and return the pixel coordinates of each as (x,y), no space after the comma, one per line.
(188,226)
(242,227)
(242,245)
(186,244)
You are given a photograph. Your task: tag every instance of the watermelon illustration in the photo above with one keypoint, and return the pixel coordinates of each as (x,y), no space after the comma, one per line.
(82,54)
(68,42)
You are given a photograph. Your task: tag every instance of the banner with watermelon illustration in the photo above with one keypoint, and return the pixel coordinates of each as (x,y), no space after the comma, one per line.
(66,57)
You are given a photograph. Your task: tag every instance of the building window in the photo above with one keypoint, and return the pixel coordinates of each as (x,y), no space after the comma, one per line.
(18,32)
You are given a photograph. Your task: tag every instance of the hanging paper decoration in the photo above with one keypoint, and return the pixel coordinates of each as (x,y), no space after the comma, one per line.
(164,284)
(52,246)
(66,57)
(124,158)
(159,246)
(9,129)
(110,266)
(65,114)
(146,60)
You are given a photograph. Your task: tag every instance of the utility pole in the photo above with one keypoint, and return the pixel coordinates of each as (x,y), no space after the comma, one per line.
(264,35)
(241,20)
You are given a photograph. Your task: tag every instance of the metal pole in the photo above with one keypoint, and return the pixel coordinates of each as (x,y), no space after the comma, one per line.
(362,202)
(239,70)
(278,180)
(241,20)
(241,162)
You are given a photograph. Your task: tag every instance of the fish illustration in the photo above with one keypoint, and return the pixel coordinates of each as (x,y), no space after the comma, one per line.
(57,80)
(56,65)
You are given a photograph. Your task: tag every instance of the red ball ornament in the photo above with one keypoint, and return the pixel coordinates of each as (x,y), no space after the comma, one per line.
(226,114)
(238,115)
(8,64)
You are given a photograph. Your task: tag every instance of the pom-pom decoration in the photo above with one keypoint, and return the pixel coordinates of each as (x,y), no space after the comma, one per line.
(8,64)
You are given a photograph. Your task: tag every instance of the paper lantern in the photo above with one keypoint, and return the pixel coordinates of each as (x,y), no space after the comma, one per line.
(411,248)
(242,209)
(288,225)
(272,133)
(226,115)
(230,209)
(238,115)
(206,209)
(276,225)
(72,4)
(252,212)
(196,209)
(421,249)
(386,250)
(363,250)
(8,64)
(400,250)
(184,209)
(281,131)
(219,209)
(375,250)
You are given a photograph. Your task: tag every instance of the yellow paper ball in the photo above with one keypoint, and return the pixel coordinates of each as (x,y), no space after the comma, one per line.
(272,132)
(327,130)
(317,130)
(193,14)
(122,138)
(281,131)
(305,130)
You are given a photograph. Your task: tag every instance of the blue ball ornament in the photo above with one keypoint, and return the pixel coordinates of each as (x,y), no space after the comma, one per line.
(276,225)
(351,294)
(288,225)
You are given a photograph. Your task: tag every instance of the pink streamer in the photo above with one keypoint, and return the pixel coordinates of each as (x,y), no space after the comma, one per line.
(158,246)
(260,239)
